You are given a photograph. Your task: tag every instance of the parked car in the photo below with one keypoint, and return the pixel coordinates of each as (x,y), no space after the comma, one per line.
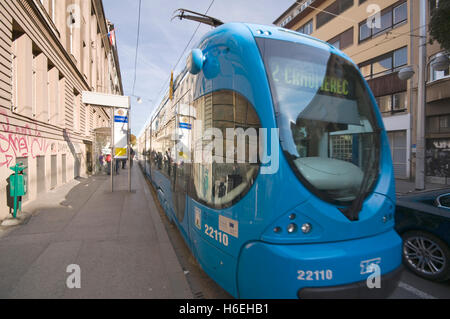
(423,221)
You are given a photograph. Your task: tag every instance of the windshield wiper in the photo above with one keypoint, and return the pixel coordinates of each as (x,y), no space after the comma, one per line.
(352,212)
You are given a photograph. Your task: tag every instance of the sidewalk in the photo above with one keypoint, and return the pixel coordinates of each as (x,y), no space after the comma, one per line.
(117,239)
(406,187)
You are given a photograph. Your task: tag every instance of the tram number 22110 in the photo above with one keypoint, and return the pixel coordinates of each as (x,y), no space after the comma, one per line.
(216,235)
(317,275)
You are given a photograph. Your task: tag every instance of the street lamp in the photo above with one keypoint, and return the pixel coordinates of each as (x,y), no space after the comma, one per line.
(441,62)
(141,100)
(406,73)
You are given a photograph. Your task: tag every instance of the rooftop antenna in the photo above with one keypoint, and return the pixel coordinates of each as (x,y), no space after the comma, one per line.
(181,13)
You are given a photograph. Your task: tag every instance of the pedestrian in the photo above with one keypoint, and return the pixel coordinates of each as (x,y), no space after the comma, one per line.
(101,161)
(117,165)
(132,154)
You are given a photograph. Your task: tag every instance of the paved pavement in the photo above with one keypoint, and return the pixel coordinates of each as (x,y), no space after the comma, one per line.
(117,239)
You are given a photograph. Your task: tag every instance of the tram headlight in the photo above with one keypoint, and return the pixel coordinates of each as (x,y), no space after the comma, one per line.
(306,228)
(292,228)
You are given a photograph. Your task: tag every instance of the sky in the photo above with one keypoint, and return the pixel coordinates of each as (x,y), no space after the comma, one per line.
(162,41)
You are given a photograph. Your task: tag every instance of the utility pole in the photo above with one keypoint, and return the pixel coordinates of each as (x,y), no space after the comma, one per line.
(420,133)
(129,148)
(113,149)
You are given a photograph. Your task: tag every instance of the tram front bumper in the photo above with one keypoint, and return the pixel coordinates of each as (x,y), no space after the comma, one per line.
(359,268)
(359,290)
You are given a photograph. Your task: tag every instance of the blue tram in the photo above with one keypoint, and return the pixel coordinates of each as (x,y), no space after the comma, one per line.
(270,155)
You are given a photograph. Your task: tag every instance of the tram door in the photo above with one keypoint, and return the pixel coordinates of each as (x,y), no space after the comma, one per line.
(181,167)
(179,183)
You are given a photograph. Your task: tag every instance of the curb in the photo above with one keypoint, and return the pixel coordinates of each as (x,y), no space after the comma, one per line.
(174,270)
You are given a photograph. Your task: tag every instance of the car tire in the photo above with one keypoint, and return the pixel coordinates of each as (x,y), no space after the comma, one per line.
(426,255)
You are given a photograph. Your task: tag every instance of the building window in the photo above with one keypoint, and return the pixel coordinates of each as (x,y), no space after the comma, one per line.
(307,28)
(286,21)
(336,44)
(343,40)
(399,102)
(341,147)
(434,4)
(333,10)
(390,18)
(392,103)
(385,103)
(384,64)
(76,111)
(437,75)
(438,124)
(366,70)
(400,13)
(385,23)
(400,57)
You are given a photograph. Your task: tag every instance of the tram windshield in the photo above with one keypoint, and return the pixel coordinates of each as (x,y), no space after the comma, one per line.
(328,129)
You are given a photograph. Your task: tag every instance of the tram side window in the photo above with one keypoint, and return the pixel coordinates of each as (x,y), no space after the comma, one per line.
(154,159)
(224,182)
(164,148)
(162,144)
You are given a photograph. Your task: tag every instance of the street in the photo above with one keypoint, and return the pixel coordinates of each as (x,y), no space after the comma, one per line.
(117,249)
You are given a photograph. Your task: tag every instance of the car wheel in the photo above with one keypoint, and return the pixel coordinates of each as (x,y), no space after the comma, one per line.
(426,255)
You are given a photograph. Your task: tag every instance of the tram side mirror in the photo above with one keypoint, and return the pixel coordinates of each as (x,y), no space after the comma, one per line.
(195,61)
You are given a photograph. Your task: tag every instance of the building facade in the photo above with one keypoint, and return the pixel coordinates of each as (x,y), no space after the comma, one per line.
(381,38)
(51,51)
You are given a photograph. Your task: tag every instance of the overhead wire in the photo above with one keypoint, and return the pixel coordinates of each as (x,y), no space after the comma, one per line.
(137,46)
(389,32)
(184,50)
(387,40)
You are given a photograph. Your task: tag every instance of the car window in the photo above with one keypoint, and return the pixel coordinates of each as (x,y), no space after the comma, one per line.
(444,200)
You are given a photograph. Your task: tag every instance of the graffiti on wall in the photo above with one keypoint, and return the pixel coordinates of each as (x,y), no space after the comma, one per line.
(438,157)
(26,141)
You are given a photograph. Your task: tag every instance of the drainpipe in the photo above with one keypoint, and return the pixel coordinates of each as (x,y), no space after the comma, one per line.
(420,152)
(411,86)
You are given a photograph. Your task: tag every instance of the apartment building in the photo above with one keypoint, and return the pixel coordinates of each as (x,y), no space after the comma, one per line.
(51,51)
(381,48)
